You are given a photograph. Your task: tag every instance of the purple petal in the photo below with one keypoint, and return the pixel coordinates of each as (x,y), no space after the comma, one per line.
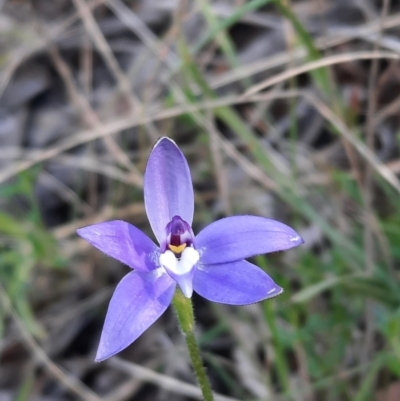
(138,301)
(168,189)
(241,237)
(236,283)
(124,242)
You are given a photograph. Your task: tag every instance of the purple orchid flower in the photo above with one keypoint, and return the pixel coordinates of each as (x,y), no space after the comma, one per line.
(212,263)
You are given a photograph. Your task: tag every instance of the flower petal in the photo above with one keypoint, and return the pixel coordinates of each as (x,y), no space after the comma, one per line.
(236,283)
(168,189)
(124,242)
(138,301)
(240,237)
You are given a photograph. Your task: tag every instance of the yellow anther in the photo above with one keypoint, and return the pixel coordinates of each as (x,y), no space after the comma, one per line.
(177,249)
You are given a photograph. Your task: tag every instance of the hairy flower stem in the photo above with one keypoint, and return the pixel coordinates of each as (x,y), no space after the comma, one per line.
(184,311)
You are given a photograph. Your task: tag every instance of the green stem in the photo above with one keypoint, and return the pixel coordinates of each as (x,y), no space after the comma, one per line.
(184,310)
(281,363)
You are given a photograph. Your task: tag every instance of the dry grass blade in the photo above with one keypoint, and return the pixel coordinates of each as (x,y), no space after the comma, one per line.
(124,84)
(63,191)
(391,109)
(135,210)
(114,127)
(83,107)
(334,38)
(163,381)
(326,61)
(130,19)
(362,149)
(97,166)
(104,48)
(219,168)
(20,55)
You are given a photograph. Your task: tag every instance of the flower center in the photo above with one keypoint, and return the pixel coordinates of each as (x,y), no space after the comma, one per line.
(179,235)
(180,257)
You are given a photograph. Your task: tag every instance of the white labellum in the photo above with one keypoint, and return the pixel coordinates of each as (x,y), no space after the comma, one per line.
(188,260)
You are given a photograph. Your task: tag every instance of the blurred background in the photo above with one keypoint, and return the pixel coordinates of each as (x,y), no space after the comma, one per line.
(287,109)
